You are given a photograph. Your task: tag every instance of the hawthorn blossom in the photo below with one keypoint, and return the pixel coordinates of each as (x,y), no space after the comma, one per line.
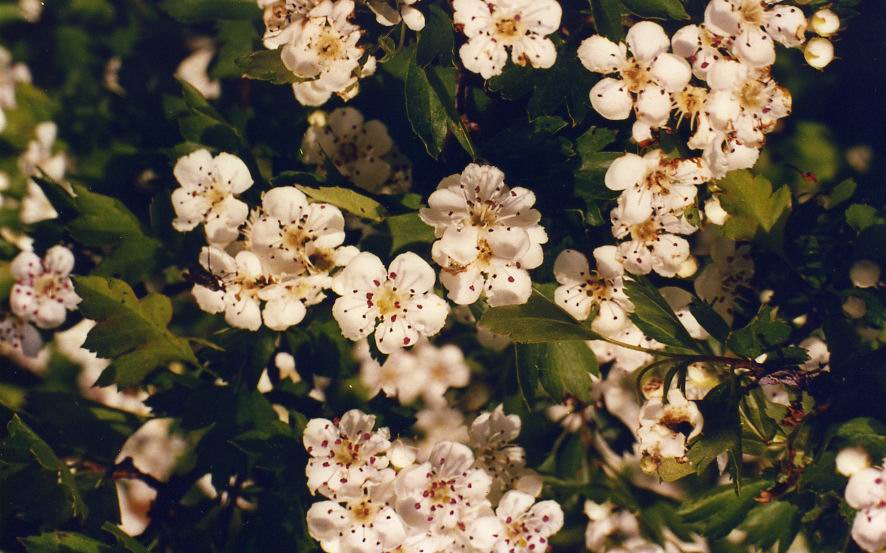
(363,523)
(652,244)
(362,151)
(666,427)
(655,182)
(398,305)
(18,337)
(698,46)
(324,53)
(679,300)
(11,74)
(287,301)
(866,491)
(283,19)
(571,414)
(721,282)
(443,491)
(583,291)
(399,376)
(819,356)
(819,52)
(753,26)
(488,236)
(345,453)
(207,195)
(194,70)
(493,26)
(402,10)
(646,79)
(624,359)
(38,160)
(439,423)
(492,437)
(520,525)
(293,235)
(426,371)
(43,291)
(234,288)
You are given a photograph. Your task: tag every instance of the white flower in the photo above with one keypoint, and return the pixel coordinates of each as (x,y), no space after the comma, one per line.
(37,160)
(679,300)
(570,414)
(655,182)
(488,236)
(583,291)
(283,20)
(399,376)
(851,460)
(864,273)
(824,22)
(653,244)
(869,529)
(194,70)
(286,301)
(699,46)
(324,53)
(438,369)
(18,337)
(207,194)
(440,423)
(625,359)
(714,212)
(402,10)
(665,428)
(866,491)
(439,492)
(745,101)
(519,526)
(30,9)
(723,151)
(43,291)
(364,524)
(492,26)
(492,436)
(238,282)
(344,453)
(293,235)
(645,80)
(753,26)
(819,356)
(154,448)
(721,282)
(10,75)
(397,304)
(360,150)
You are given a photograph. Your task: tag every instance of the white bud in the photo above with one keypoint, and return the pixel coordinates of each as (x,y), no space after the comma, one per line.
(714,212)
(766,296)
(855,307)
(819,52)
(852,460)
(688,267)
(800,320)
(824,22)
(864,274)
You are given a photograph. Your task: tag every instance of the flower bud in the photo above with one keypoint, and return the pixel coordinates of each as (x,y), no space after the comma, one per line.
(819,52)
(688,267)
(824,22)
(714,212)
(851,460)
(854,307)
(864,274)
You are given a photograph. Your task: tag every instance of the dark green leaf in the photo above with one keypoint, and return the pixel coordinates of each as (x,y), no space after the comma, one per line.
(538,320)
(430,107)
(563,368)
(757,212)
(64,542)
(659,9)
(761,335)
(194,11)
(771,523)
(654,316)
(124,540)
(862,216)
(607,18)
(709,319)
(718,511)
(407,229)
(266,65)
(437,39)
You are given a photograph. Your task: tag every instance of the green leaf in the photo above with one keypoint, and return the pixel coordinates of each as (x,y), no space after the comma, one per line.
(718,511)
(866,432)
(124,540)
(654,316)
(235,40)
(757,213)
(659,9)
(538,320)
(266,65)
(592,142)
(64,542)
(862,216)
(437,39)
(771,523)
(563,368)
(130,331)
(347,199)
(526,371)
(840,193)
(607,18)
(430,107)
(22,437)
(407,229)
(709,319)
(195,11)
(764,333)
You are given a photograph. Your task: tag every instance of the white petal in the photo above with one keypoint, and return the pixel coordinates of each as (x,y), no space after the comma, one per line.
(755,48)
(413,18)
(285,203)
(193,168)
(211,301)
(461,244)
(283,313)
(514,504)
(364,272)
(508,286)
(428,319)
(485,532)
(326,519)
(411,273)
(608,262)
(866,488)
(464,287)
(787,24)
(354,316)
(232,172)
(484,56)
(600,55)
(625,172)
(611,99)
(570,267)
(646,40)
(686,41)
(653,106)
(534,50)
(671,72)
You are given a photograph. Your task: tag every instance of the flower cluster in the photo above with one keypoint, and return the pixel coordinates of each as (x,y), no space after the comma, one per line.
(384,496)
(866,492)
(488,236)
(318,45)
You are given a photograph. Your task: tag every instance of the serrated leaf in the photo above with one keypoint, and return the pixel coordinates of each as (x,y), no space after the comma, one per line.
(865,432)
(764,333)
(658,9)
(771,523)
(757,212)
(130,331)
(195,11)
(266,65)
(862,216)
(407,229)
(654,316)
(347,199)
(709,319)
(840,193)
(718,511)
(21,436)
(592,142)
(563,368)
(538,320)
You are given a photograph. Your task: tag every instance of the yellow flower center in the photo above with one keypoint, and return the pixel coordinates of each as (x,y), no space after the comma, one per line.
(329,46)
(509,29)
(47,285)
(646,231)
(752,12)
(388,300)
